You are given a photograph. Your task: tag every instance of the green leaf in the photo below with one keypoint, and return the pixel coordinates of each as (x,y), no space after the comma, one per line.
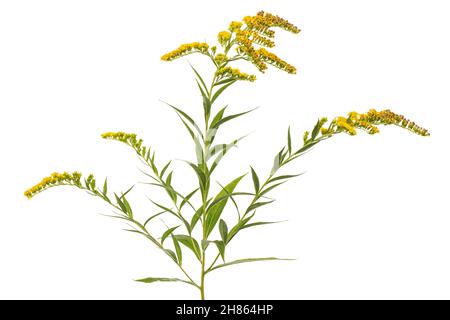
(255,180)
(218,117)
(120,203)
(165,168)
(228,118)
(214,212)
(178,250)
(127,207)
(270,188)
(289,140)
(186,199)
(244,261)
(191,133)
(126,192)
(306,147)
(171,254)
(152,217)
(224,81)
(221,247)
(190,243)
(151,280)
(316,130)
(206,102)
(287,176)
(170,190)
(201,177)
(257,205)
(277,161)
(105,187)
(220,90)
(238,227)
(254,224)
(186,116)
(167,233)
(223,230)
(196,217)
(199,78)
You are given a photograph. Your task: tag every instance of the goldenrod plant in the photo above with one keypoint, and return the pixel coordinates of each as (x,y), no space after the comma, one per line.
(201,229)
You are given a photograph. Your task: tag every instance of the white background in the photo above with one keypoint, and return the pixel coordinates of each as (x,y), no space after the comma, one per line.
(369,219)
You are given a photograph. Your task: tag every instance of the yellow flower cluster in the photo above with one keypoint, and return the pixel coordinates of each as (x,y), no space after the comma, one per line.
(263,21)
(369,121)
(248,37)
(220,58)
(186,49)
(128,138)
(223,37)
(247,49)
(343,124)
(389,117)
(274,60)
(258,32)
(228,72)
(270,20)
(55,179)
(235,26)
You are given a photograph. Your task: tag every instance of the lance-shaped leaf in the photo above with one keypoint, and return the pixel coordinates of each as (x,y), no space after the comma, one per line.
(187,198)
(220,90)
(223,229)
(186,116)
(199,78)
(259,223)
(164,169)
(245,261)
(190,243)
(289,140)
(214,212)
(218,117)
(316,130)
(283,177)
(257,205)
(255,180)
(153,217)
(221,247)
(231,117)
(171,254)
(202,179)
(178,250)
(151,280)
(170,190)
(167,233)
(196,217)
(268,189)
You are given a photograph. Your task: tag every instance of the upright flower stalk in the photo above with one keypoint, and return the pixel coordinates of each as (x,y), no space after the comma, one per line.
(247,40)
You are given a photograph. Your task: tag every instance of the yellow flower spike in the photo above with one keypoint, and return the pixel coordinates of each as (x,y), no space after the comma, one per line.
(258,39)
(369,121)
(223,37)
(127,138)
(55,179)
(185,49)
(235,26)
(271,20)
(228,72)
(274,60)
